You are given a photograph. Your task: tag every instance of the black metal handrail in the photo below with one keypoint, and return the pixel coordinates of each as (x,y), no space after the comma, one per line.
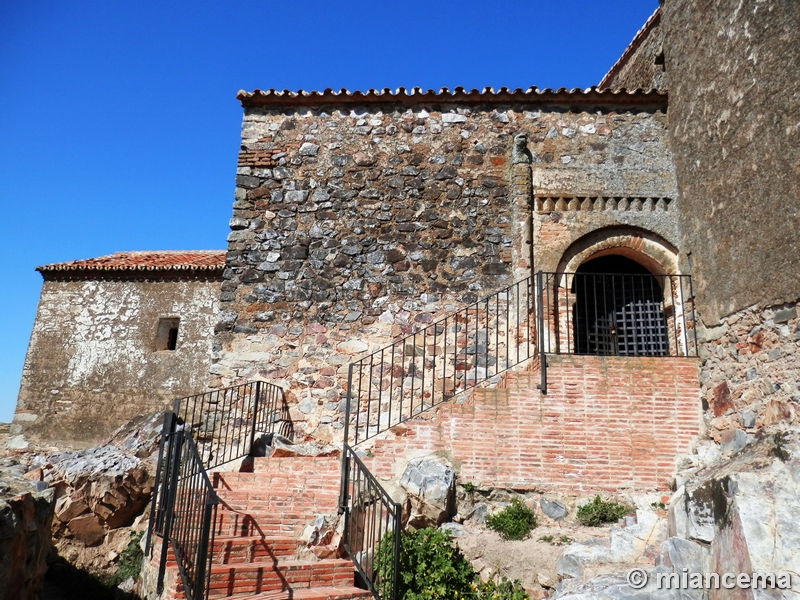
(372,528)
(224,422)
(188,525)
(435,363)
(418,372)
(201,432)
(614,314)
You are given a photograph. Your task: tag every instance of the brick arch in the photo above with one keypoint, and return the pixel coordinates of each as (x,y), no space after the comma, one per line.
(646,248)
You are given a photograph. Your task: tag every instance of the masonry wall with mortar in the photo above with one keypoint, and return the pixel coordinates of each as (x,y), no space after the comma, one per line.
(642,64)
(92,362)
(353,225)
(750,376)
(606,424)
(734,114)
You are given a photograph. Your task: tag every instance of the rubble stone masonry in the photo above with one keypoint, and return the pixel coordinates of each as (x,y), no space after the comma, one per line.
(353,225)
(750,375)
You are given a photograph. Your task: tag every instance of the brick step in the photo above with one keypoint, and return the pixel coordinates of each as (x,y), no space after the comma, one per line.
(280,483)
(277,506)
(247,491)
(314,465)
(342,592)
(283,575)
(264,523)
(253,548)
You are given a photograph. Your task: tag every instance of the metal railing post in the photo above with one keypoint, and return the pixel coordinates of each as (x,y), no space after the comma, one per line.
(167,428)
(397,548)
(540,333)
(202,559)
(255,418)
(177,443)
(345,470)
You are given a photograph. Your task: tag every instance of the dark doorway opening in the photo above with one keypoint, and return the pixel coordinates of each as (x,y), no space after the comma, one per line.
(618,309)
(167,334)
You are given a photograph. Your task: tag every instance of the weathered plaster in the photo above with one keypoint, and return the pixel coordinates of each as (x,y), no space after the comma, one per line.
(92,364)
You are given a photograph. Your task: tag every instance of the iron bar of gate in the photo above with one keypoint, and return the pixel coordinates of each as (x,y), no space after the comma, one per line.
(401,380)
(614,314)
(540,333)
(372,528)
(190,533)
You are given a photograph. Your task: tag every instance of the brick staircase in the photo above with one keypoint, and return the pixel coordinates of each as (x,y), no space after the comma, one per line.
(256,552)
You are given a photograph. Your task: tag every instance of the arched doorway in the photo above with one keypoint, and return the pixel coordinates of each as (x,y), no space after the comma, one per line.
(618,309)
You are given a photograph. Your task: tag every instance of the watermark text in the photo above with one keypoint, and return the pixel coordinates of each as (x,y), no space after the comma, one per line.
(685,580)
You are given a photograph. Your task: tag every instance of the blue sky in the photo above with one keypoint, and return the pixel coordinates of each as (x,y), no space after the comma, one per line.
(119,126)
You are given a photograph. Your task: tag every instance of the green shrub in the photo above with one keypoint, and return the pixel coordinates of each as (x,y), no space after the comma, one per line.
(514,522)
(504,590)
(598,512)
(431,567)
(130,561)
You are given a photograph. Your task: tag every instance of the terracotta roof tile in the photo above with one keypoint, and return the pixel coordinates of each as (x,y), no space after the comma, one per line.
(533,95)
(157,260)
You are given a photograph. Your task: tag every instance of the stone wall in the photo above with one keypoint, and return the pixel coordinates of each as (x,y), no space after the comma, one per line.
(605,424)
(642,64)
(734,118)
(751,375)
(92,362)
(734,128)
(353,225)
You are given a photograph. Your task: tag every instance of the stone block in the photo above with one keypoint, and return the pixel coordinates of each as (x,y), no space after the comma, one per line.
(87,529)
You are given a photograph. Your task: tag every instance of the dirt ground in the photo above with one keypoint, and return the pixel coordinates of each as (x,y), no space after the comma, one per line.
(532,561)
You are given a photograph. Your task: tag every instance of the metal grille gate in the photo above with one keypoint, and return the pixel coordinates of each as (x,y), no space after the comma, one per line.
(619,315)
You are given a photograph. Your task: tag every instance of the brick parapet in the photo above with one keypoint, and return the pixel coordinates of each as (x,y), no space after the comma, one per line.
(606,424)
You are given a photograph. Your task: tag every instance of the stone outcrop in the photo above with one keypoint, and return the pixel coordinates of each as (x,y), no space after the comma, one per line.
(323,537)
(100,490)
(745,507)
(430,485)
(101,493)
(733,514)
(26,514)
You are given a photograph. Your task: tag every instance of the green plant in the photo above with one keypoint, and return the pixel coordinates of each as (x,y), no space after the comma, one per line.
(468,486)
(658,506)
(431,567)
(130,561)
(514,522)
(561,540)
(505,589)
(599,511)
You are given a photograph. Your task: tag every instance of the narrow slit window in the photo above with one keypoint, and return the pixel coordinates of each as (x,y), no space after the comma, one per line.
(167,335)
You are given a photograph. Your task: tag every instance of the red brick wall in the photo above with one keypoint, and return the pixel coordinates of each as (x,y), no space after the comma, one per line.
(283,494)
(606,423)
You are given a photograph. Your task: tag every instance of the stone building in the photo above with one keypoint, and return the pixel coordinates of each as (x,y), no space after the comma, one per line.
(115,337)
(362,218)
